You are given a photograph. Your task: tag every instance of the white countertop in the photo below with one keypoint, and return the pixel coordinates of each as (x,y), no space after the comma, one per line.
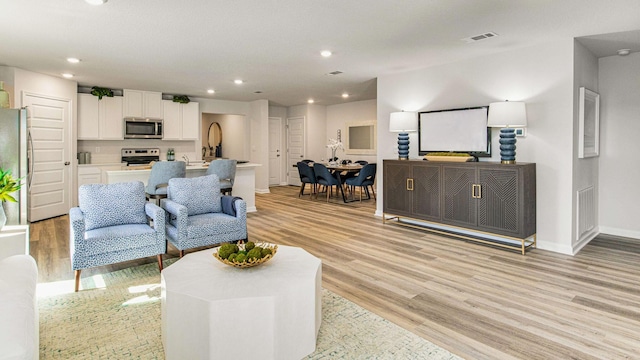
(125,169)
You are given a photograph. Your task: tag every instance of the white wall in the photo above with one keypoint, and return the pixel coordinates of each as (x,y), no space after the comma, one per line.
(233,127)
(585,171)
(339,115)
(619,85)
(259,142)
(542,77)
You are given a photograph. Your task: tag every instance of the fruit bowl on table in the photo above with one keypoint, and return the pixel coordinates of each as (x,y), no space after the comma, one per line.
(225,254)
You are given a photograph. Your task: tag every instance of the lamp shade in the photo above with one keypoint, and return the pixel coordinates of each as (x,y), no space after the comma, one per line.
(403,122)
(507,114)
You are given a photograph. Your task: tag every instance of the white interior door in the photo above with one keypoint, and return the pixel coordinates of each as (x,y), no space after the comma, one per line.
(275,154)
(48,120)
(295,148)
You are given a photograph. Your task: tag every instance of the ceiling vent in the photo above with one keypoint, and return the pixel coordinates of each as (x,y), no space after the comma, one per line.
(335,73)
(484,36)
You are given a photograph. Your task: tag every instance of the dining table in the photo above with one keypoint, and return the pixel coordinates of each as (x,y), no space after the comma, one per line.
(338,169)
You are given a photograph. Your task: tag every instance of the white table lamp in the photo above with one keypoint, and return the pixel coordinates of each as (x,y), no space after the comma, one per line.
(507,115)
(403,122)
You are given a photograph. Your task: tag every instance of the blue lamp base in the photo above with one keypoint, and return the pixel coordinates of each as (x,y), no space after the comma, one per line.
(403,146)
(507,146)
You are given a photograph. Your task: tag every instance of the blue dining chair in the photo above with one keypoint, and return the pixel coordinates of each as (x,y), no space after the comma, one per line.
(307,176)
(365,179)
(326,179)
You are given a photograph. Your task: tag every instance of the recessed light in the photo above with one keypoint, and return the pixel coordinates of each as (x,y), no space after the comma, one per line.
(67,75)
(345,95)
(624,52)
(211,91)
(96,2)
(310,101)
(258,92)
(73,60)
(326,53)
(238,81)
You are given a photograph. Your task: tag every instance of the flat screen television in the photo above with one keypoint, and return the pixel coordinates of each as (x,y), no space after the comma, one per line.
(455,130)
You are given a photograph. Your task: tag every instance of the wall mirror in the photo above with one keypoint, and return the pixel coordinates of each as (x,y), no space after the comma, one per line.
(215,135)
(361,138)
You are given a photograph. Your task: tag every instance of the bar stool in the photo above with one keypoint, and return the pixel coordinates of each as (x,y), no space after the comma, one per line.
(161,172)
(226,172)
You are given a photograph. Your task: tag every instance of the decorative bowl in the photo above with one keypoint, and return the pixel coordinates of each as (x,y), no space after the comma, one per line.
(249,262)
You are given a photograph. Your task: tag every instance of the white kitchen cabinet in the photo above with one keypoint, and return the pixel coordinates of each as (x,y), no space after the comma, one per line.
(89,175)
(138,103)
(180,121)
(100,119)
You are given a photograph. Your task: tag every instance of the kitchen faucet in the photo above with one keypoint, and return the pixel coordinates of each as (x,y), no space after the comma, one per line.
(185,158)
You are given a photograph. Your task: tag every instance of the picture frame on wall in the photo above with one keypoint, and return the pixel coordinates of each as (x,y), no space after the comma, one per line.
(589,129)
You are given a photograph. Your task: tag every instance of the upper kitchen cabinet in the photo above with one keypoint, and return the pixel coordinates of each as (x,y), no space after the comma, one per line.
(180,121)
(147,104)
(100,119)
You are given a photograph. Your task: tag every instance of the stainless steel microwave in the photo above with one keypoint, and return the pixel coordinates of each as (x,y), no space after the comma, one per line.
(141,128)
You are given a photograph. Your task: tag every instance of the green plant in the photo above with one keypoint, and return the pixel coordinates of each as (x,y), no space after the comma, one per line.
(100,92)
(182,99)
(8,185)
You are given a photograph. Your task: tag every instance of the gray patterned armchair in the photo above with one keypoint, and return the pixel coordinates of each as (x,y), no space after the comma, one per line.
(111,225)
(198,215)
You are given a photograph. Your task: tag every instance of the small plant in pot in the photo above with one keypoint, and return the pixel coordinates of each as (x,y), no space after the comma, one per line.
(100,92)
(8,185)
(182,99)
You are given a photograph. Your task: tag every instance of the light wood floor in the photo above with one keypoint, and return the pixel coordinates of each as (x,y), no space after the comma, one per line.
(476,301)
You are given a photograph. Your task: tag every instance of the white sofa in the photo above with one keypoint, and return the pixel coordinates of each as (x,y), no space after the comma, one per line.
(19,325)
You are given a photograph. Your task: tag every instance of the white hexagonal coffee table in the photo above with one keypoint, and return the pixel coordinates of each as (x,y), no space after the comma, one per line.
(215,311)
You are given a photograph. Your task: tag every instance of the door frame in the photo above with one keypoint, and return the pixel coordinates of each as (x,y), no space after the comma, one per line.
(289,172)
(69,145)
(277,123)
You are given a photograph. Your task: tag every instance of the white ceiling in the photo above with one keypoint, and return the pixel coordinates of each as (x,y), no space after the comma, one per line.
(187,47)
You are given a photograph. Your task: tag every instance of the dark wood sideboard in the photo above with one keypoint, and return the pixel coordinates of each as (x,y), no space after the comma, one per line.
(487,202)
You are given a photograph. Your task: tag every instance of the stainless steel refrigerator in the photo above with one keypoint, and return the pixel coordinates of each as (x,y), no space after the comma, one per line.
(14,145)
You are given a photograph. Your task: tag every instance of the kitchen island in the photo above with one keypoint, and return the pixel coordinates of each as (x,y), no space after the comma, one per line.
(244,185)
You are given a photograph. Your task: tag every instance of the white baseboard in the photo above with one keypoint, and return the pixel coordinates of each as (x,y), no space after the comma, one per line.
(558,248)
(634,234)
(585,239)
(263,191)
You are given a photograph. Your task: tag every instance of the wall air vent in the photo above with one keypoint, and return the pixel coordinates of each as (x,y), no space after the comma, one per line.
(335,73)
(479,37)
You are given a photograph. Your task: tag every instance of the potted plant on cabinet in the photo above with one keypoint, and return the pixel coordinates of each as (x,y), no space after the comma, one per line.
(8,185)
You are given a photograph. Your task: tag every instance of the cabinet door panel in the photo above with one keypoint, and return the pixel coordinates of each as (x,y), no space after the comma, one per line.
(426,193)
(498,207)
(133,103)
(190,120)
(88,117)
(111,122)
(152,104)
(171,123)
(459,207)
(397,199)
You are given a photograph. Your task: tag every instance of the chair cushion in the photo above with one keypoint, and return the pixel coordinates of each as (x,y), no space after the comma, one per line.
(199,195)
(112,204)
(120,237)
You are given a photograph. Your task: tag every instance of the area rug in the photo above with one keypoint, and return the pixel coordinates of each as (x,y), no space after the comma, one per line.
(118,317)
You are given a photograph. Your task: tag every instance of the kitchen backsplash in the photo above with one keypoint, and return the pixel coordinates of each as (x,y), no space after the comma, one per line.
(108,152)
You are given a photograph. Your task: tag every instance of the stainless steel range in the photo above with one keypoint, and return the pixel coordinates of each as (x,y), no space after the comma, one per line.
(140,157)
